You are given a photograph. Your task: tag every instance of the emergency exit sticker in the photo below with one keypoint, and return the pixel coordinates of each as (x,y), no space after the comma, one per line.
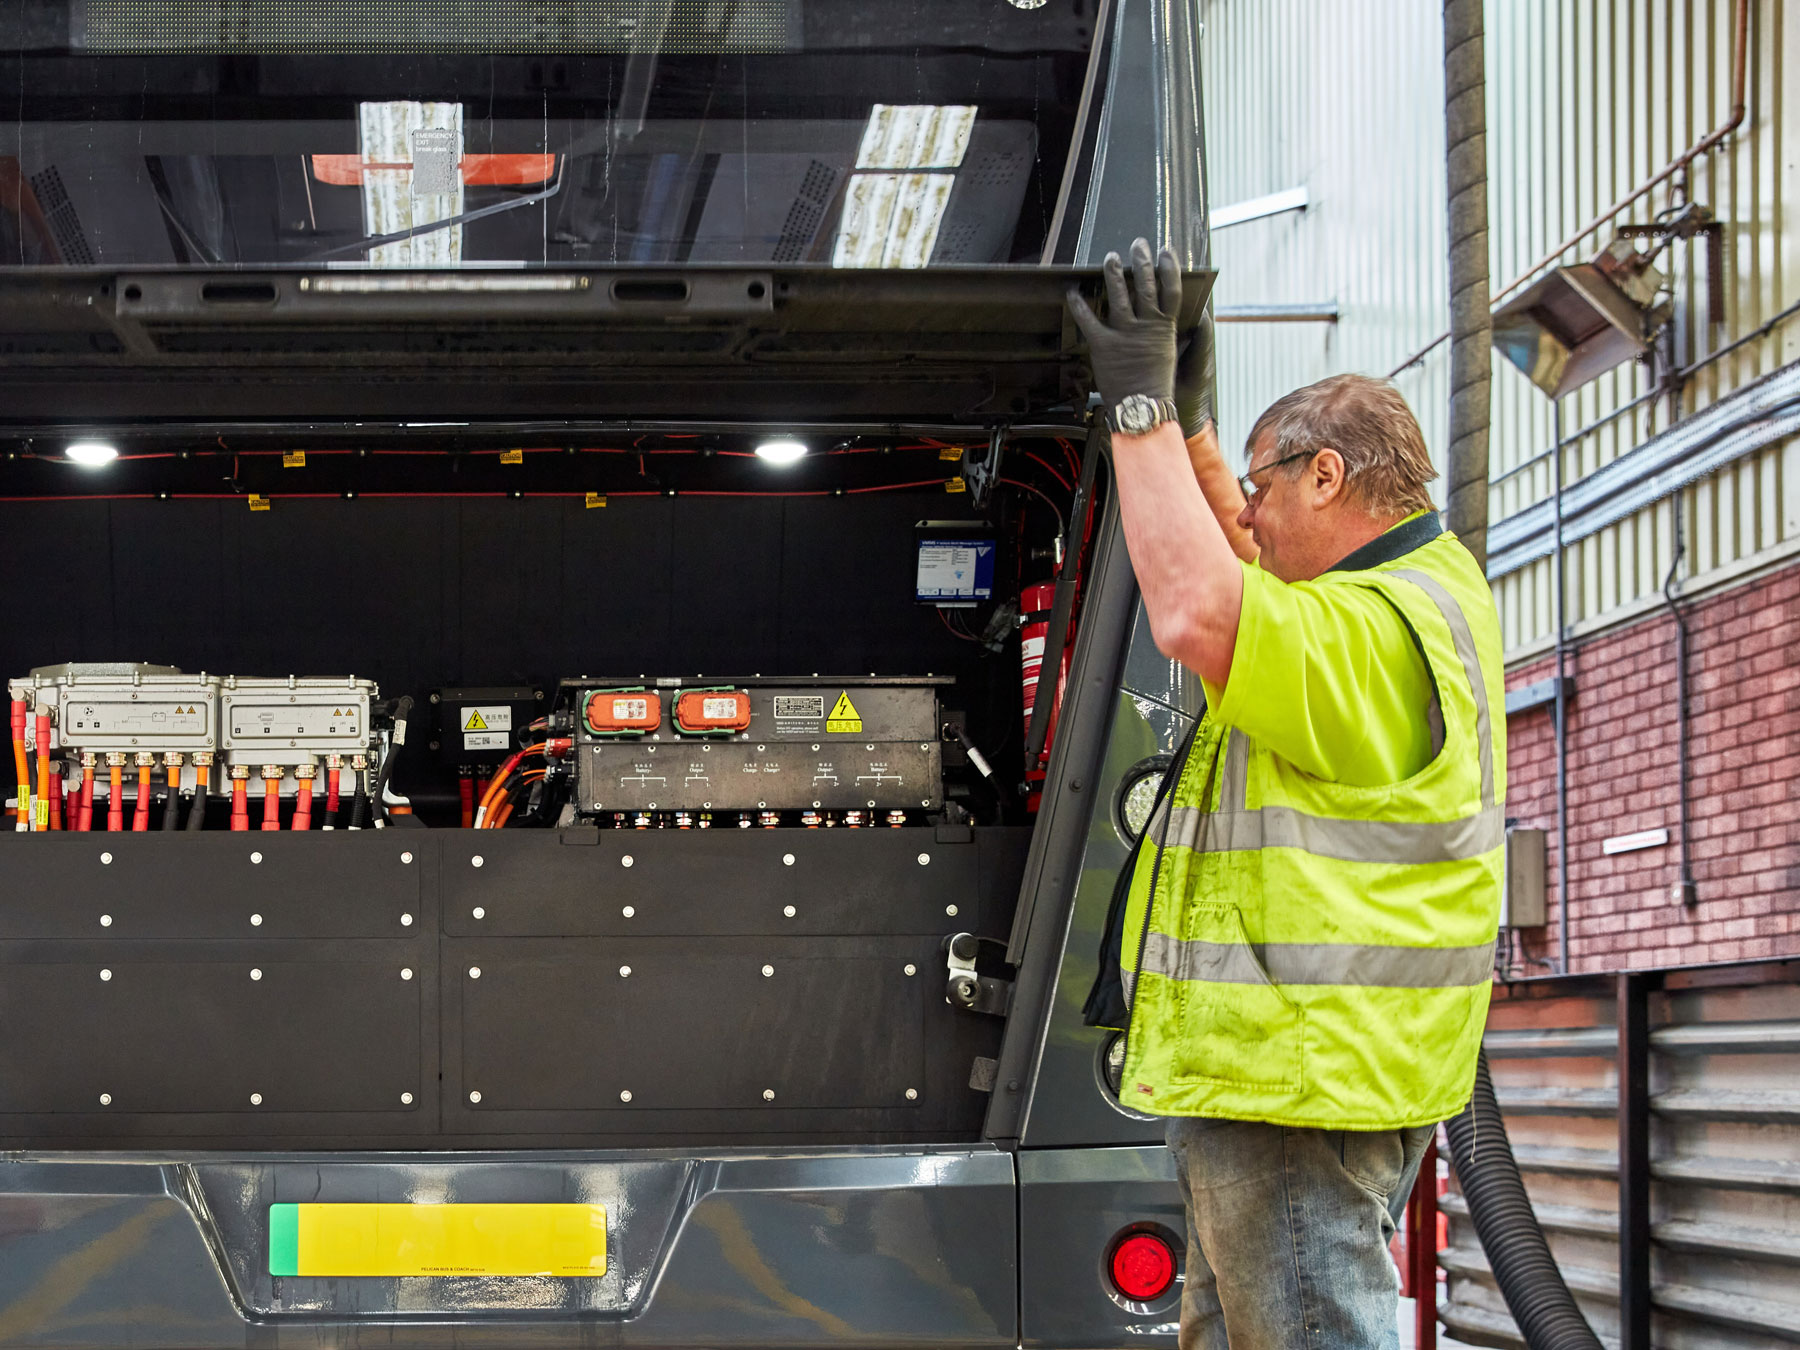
(844,716)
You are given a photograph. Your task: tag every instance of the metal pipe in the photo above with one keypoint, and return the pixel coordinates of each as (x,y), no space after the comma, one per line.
(1561,709)
(1685,890)
(1471,347)
(1674,166)
(1309,311)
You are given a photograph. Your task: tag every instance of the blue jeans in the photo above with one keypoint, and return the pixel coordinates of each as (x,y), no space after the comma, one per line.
(1288,1232)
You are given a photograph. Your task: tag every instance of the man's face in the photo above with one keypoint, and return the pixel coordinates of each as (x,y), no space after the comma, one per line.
(1278,512)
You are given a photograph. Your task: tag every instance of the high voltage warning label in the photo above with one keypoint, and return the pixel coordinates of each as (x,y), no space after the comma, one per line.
(844,716)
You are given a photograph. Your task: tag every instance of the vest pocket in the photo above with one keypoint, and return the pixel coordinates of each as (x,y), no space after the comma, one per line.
(1234,1026)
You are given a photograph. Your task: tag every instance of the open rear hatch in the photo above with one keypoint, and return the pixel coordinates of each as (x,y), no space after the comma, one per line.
(944,346)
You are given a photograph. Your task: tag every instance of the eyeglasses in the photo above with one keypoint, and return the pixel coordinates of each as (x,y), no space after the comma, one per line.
(1248,481)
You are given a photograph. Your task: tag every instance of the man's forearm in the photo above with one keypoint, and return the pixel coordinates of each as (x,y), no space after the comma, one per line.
(1186,568)
(1220,487)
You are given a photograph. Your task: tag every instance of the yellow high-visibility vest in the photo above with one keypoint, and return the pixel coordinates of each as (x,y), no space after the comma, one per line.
(1311,953)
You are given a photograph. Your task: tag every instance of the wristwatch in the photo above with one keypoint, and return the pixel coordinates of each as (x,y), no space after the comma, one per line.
(1139,414)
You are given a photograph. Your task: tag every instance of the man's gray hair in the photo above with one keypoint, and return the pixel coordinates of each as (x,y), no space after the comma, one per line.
(1365,420)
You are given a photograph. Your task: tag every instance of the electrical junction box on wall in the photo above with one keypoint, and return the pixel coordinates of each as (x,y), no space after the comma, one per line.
(101,708)
(1522,898)
(479,726)
(293,720)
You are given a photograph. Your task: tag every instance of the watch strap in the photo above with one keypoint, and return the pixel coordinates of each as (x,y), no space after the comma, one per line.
(1166,411)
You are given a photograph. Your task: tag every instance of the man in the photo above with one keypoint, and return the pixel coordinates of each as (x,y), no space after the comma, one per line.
(1307,945)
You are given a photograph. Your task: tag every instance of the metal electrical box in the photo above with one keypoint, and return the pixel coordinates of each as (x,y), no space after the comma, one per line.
(293,720)
(126,708)
(1522,904)
(845,744)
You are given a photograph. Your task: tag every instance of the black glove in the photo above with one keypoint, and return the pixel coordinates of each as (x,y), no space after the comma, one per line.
(1194,378)
(1133,351)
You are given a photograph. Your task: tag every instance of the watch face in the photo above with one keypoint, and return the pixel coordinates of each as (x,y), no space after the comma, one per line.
(1137,415)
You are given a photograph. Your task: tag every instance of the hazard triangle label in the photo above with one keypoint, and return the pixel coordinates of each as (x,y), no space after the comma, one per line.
(844,716)
(475,723)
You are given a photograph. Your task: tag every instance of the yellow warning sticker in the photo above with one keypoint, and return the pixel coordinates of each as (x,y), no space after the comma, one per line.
(475,723)
(258,503)
(512,456)
(293,459)
(844,716)
(950,452)
(594,499)
(955,484)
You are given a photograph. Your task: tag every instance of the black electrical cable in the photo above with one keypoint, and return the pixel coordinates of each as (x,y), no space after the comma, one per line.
(359,805)
(196,816)
(402,710)
(172,801)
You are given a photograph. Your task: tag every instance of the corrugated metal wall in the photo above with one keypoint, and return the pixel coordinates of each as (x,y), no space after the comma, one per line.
(1585,100)
(1724,1098)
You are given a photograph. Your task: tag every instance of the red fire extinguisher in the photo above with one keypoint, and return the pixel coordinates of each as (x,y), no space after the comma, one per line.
(1034,614)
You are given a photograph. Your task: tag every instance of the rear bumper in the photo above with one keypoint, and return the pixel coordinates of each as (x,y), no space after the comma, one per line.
(916,1246)
(865,1247)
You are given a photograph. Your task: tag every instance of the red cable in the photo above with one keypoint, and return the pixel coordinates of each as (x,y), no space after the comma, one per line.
(303,796)
(87,800)
(56,801)
(115,799)
(465,788)
(331,791)
(140,814)
(240,803)
(271,804)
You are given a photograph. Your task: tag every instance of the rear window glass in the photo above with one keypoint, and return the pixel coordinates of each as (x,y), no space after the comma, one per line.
(508,133)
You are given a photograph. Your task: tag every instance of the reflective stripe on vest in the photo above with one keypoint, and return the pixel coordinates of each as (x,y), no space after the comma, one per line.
(1318,963)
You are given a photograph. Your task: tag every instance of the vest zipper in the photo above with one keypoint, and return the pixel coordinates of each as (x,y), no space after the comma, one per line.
(1173,781)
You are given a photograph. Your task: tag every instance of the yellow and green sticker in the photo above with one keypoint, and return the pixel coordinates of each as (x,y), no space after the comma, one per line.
(437,1240)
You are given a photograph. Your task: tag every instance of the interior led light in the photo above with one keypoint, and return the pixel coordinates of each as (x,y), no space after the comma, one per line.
(781,452)
(90,454)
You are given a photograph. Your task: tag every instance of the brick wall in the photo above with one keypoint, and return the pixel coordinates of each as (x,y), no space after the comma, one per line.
(1744,784)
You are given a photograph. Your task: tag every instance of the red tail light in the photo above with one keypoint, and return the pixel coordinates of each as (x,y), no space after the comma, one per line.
(1143,1267)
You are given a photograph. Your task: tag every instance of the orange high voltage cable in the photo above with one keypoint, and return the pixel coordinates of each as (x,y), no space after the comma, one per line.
(21,769)
(115,802)
(40,807)
(140,816)
(240,798)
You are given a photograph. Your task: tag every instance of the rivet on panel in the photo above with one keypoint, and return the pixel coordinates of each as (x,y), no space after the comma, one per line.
(628,911)
(476,861)
(624,972)
(789,910)
(255,858)
(406,857)
(106,860)
(950,910)
(787,860)
(924,860)
(406,1099)
(106,1099)
(912,1094)
(106,975)
(768,1094)
(256,921)
(626,861)
(406,972)
(475,1097)
(106,921)
(911,969)
(474,972)
(625,1096)
(768,971)
(479,912)
(256,1099)
(406,921)
(256,974)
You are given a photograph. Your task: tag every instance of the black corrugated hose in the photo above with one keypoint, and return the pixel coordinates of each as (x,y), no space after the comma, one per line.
(172,799)
(1537,1297)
